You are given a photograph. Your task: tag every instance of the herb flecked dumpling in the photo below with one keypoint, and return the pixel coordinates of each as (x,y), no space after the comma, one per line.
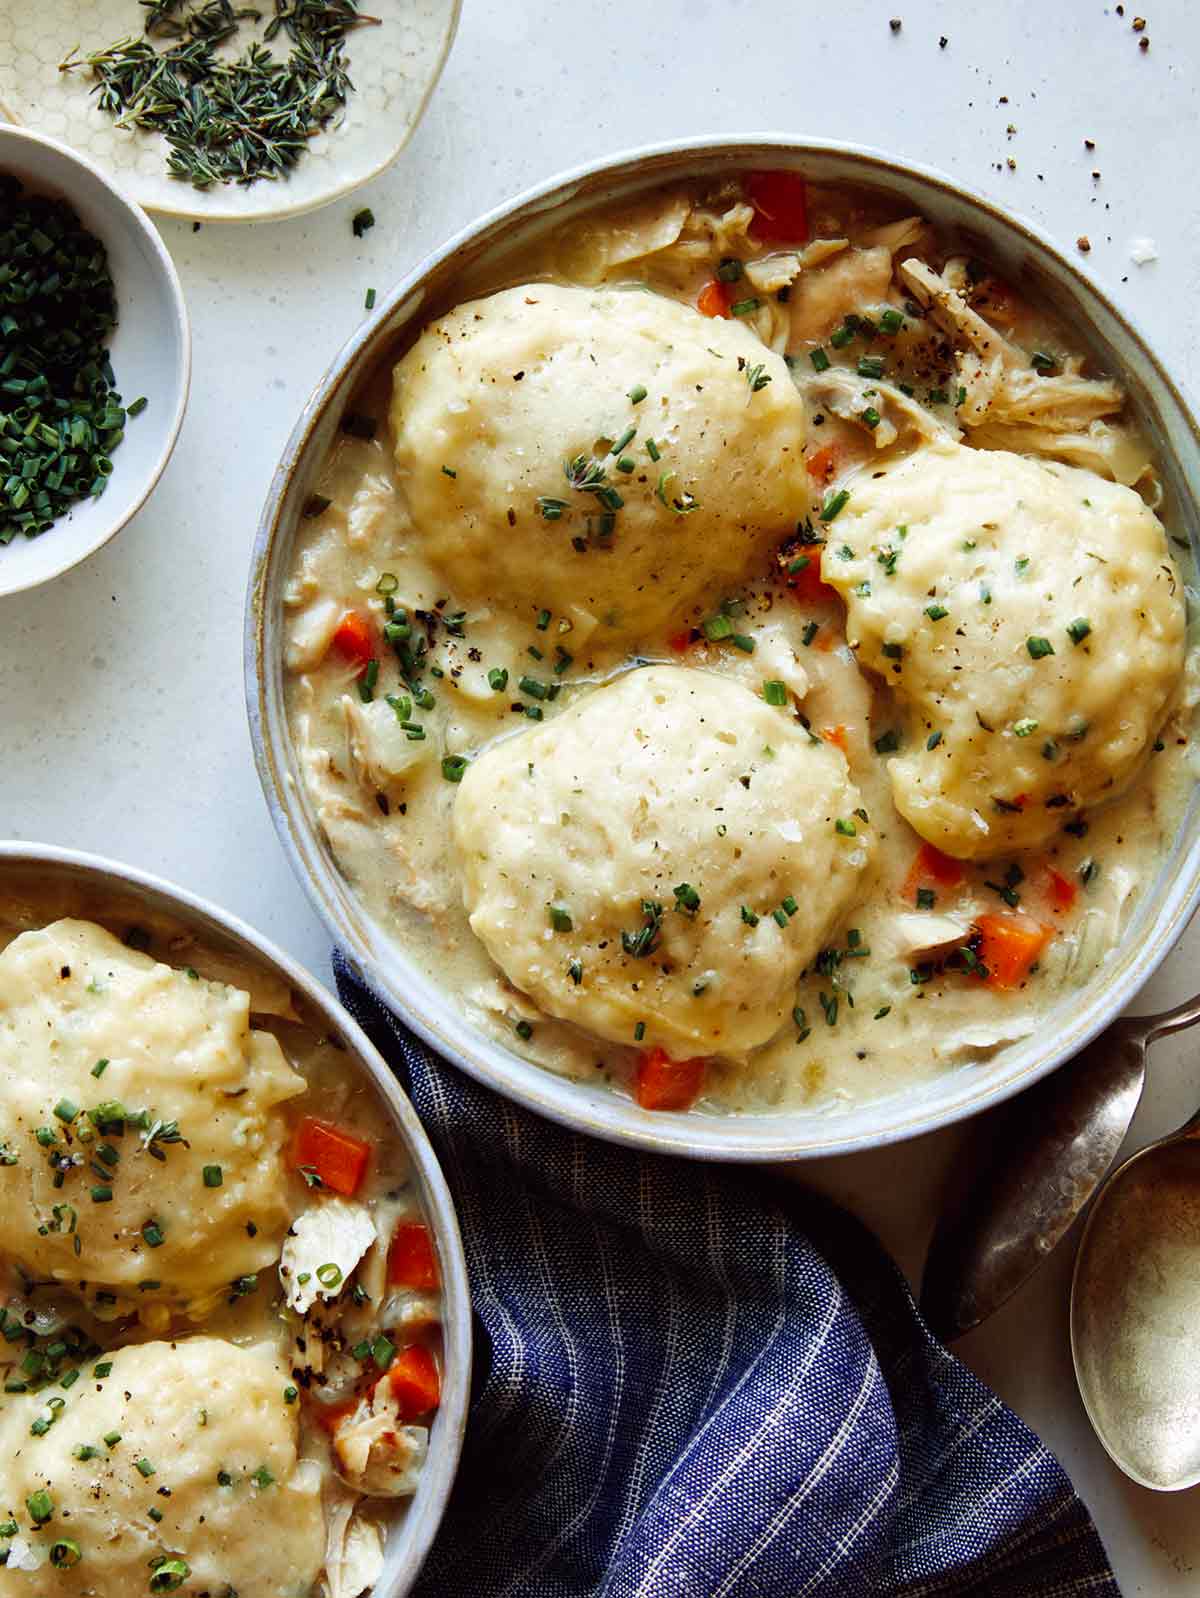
(174,1469)
(669,854)
(513,415)
(1029,618)
(140,1123)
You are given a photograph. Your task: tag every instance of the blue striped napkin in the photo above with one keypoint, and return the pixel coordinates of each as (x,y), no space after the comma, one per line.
(691,1380)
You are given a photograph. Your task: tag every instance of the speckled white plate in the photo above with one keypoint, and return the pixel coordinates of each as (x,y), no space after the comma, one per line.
(394,68)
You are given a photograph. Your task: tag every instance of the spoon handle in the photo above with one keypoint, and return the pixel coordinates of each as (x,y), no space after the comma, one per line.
(1158,1026)
(1025,1171)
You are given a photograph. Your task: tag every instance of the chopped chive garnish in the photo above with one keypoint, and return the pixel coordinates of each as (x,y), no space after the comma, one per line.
(144,1467)
(111,1439)
(936,612)
(290,1394)
(870,418)
(933,740)
(730,269)
(749,916)
(652,450)
(1039,648)
(717,627)
(531,686)
(369,302)
(811,630)
(686,898)
(841,336)
(775,692)
(99,1068)
(639,1032)
(66,1111)
(329,1274)
(789,905)
(890,321)
(845,827)
(637,394)
(1043,362)
(1025,726)
(169,1575)
(870,366)
(102,1370)
(153,1235)
(834,503)
(560,918)
(453,767)
(892,651)
(780,916)
(213,1176)
(102,1195)
(745,307)
(523,1030)
(366,683)
(498,679)
(819,359)
(743,642)
(1078,629)
(155,1514)
(363,221)
(448,471)
(887,743)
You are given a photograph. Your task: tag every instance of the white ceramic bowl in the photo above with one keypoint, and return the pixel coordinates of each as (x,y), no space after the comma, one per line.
(59,881)
(1028,258)
(151,354)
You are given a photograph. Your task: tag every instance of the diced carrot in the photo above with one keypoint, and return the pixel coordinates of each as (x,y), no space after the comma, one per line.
(1009,943)
(681,641)
(931,866)
(823,462)
(1060,890)
(806,582)
(411,1258)
(339,1159)
(415,1382)
(715,299)
(837,737)
(780,201)
(353,638)
(666,1084)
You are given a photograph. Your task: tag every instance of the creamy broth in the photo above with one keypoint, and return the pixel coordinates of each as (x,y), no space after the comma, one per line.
(302,1412)
(897,343)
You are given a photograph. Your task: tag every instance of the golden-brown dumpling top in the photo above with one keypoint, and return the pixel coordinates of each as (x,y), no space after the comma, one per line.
(496,398)
(1029,618)
(140,1115)
(669,852)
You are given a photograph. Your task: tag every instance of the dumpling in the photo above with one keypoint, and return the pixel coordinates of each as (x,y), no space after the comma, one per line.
(670,852)
(177,1469)
(503,400)
(141,1118)
(1030,619)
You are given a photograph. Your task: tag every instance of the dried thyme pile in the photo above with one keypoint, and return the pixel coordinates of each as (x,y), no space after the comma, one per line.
(60,415)
(228,120)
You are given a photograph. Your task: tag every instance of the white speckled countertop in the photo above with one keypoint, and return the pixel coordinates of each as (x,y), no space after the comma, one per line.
(121,700)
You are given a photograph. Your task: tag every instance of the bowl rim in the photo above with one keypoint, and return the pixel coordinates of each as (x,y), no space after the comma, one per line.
(143,224)
(435,1192)
(573,1104)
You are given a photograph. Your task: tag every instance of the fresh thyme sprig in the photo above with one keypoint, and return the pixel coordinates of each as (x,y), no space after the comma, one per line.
(228,121)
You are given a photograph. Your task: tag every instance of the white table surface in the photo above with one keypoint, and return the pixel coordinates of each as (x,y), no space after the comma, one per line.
(121,708)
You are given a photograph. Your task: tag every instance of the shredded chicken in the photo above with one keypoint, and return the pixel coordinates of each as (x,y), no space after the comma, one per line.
(322,1249)
(822,298)
(918,932)
(847,395)
(310,634)
(380,749)
(894,236)
(1110,451)
(375,1452)
(952,313)
(353,1549)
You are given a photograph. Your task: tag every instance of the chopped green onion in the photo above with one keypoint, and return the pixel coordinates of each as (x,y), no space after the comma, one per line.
(744,642)
(718,627)
(841,336)
(498,679)
(775,692)
(834,503)
(1078,629)
(453,767)
(531,686)
(99,1068)
(213,1176)
(936,612)
(652,450)
(144,1467)
(748,916)
(169,1575)
(329,1274)
(65,1552)
(819,359)
(870,418)
(369,302)
(66,1111)
(890,321)
(1039,648)
(845,827)
(870,366)
(153,1235)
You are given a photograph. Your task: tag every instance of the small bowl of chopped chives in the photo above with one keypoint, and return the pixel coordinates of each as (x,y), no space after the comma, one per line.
(95,359)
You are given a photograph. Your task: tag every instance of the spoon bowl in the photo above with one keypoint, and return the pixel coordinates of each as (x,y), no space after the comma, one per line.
(1135,1314)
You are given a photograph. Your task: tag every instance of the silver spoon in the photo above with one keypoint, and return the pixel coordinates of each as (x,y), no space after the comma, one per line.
(1135,1313)
(1029,1167)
